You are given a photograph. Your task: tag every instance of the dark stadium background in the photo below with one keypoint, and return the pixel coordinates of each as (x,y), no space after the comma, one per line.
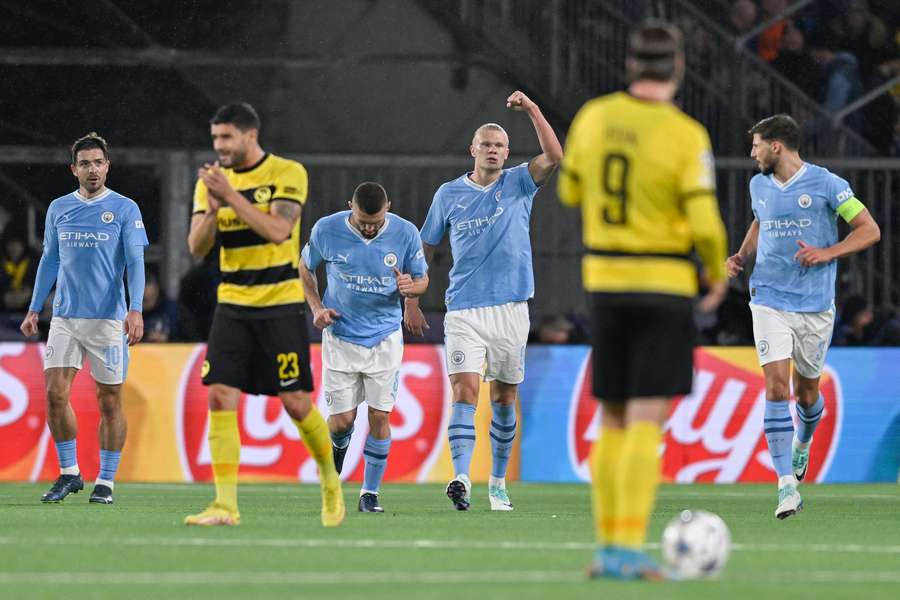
(392,90)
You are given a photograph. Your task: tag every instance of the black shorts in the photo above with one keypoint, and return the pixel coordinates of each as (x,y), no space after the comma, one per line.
(258,356)
(643,345)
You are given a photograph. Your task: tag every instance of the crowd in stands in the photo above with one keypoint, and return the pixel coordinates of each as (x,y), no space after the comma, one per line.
(834,51)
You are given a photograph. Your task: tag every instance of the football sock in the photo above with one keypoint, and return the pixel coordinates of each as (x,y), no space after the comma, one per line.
(342,439)
(461,434)
(67,454)
(503,432)
(604,462)
(779,430)
(314,431)
(376,454)
(109,464)
(808,419)
(637,477)
(225,451)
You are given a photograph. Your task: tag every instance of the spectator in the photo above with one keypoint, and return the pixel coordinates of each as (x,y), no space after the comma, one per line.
(742,18)
(159,311)
(197,299)
(19,268)
(557,329)
(796,64)
(864,35)
(855,327)
(841,73)
(770,38)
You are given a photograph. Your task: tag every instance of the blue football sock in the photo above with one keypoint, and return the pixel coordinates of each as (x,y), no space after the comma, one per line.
(808,419)
(342,440)
(376,454)
(779,429)
(67,453)
(461,434)
(109,464)
(503,432)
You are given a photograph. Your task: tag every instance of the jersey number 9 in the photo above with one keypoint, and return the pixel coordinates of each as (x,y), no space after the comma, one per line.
(615,185)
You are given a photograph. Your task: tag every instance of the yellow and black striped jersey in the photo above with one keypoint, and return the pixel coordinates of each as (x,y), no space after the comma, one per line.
(643,174)
(259,278)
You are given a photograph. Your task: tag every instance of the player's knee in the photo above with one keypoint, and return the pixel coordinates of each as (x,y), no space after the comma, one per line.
(777,390)
(57,393)
(222,397)
(341,422)
(505,394)
(297,404)
(465,393)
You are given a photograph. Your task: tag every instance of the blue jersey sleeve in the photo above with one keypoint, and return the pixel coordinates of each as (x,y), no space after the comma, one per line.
(48,267)
(528,185)
(133,232)
(435,227)
(415,256)
(838,191)
(312,252)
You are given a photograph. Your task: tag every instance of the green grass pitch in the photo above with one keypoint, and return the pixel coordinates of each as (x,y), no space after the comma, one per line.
(845,544)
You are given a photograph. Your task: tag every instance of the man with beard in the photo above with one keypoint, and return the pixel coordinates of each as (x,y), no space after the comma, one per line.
(258,342)
(794,237)
(91,237)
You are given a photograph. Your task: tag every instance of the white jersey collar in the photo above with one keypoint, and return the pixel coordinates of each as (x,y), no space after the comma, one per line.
(94,199)
(480,188)
(789,182)
(365,240)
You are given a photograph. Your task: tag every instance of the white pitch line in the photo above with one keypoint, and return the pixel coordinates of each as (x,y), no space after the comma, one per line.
(419,544)
(213,578)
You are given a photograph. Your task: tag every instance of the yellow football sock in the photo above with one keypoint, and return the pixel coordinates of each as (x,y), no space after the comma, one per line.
(225,450)
(605,457)
(637,478)
(314,431)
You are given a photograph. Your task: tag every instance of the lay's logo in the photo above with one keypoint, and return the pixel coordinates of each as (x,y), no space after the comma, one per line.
(716,433)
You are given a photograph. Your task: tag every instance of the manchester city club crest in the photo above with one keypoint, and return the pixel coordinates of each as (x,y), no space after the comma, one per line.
(390,259)
(805,201)
(457,357)
(107,217)
(763,348)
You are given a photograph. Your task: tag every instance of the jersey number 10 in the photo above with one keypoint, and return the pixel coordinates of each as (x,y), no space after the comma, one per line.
(615,185)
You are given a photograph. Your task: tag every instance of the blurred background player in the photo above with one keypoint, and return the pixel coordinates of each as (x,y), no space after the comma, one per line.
(643,174)
(794,238)
(258,342)
(371,259)
(487,212)
(91,237)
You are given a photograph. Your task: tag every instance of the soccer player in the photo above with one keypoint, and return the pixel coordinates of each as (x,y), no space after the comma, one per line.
(371,259)
(794,237)
(91,237)
(487,213)
(258,342)
(642,172)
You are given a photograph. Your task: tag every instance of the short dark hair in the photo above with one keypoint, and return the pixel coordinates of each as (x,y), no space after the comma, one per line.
(370,197)
(781,127)
(240,114)
(653,51)
(87,142)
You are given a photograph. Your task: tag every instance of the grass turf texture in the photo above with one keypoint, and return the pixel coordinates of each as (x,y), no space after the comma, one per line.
(846,543)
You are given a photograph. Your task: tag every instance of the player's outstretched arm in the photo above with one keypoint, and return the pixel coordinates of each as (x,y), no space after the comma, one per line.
(322,317)
(542,165)
(864,232)
(735,263)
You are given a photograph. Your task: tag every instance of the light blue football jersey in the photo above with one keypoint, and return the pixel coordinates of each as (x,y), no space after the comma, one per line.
(803,208)
(489,238)
(361,284)
(88,237)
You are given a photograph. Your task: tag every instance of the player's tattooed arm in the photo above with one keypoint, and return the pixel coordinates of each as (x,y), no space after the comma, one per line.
(289,211)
